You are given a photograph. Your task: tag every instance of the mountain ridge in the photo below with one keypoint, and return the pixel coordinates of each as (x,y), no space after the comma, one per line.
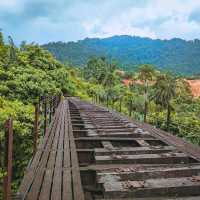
(177,55)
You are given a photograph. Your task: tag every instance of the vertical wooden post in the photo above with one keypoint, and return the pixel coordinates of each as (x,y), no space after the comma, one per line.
(39,102)
(36,130)
(120,104)
(60,98)
(54,104)
(8,159)
(0,154)
(57,101)
(45,115)
(50,109)
(1,162)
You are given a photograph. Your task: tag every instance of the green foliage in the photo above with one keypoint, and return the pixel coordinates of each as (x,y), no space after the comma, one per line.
(34,72)
(170,103)
(23,123)
(25,74)
(30,71)
(146,73)
(165,89)
(100,71)
(176,55)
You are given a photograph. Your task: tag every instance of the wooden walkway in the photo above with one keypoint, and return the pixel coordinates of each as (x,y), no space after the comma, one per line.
(91,153)
(54,170)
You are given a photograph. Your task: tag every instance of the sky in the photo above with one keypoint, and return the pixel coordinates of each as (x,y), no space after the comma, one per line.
(43,21)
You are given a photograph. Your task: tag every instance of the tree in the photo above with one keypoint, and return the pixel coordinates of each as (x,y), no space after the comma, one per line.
(12,51)
(3,51)
(120,92)
(1,39)
(129,98)
(165,91)
(95,70)
(146,74)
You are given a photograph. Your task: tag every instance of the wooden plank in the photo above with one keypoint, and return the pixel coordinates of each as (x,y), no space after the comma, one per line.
(77,186)
(67,185)
(143,143)
(67,176)
(120,134)
(35,182)
(132,150)
(35,188)
(47,182)
(67,158)
(46,185)
(57,183)
(140,173)
(29,176)
(184,186)
(165,158)
(57,178)
(113,138)
(158,198)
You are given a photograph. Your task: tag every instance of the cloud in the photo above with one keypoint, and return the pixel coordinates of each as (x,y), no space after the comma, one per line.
(195,15)
(49,20)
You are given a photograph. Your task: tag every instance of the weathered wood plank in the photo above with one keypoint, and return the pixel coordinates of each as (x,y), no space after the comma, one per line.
(133,150)
(67,185)
(141,173)
(165,158)
(57,178)
(153,187)
(48,178)
(77,186)
(32,170)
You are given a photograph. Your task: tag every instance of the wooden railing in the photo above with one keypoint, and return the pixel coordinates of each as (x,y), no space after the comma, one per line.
(44,112)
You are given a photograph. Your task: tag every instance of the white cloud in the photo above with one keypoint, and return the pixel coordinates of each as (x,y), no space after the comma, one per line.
(12,6)
(75,19)
(157,19)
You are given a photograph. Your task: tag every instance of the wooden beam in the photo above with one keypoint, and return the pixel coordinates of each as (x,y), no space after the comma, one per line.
(8,160)
(36,130)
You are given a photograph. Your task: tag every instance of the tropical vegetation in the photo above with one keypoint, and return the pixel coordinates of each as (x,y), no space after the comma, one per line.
(177,55)
(28,72)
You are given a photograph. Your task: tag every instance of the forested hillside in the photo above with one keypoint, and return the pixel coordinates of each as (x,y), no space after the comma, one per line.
(27,73)
(177,55)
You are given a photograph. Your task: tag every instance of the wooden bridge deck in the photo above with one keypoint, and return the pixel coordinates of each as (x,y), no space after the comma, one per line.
(91,153)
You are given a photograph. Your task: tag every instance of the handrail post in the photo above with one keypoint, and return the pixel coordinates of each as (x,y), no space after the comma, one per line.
(1,162)
(54,103)
(8,159)
(45,115)
(50,109)
(36,130)
(57,101)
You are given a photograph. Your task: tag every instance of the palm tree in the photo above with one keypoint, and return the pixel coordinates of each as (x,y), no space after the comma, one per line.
(99,91)
(146,74)
(12,49)
(1,38)
(165,91)
(119,95)
(110,80)
(129,97)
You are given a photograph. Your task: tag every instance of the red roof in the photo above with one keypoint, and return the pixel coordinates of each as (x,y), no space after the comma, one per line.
(195,87)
